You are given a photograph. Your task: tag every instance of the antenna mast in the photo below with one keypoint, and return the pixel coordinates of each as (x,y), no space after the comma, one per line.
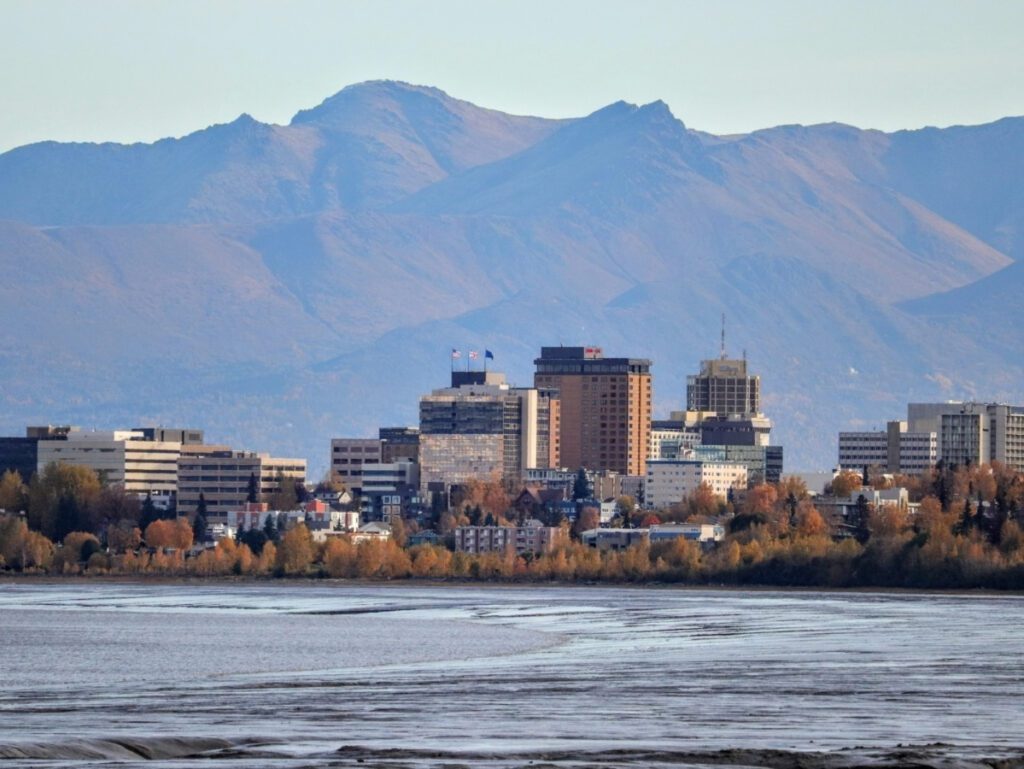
(722,350)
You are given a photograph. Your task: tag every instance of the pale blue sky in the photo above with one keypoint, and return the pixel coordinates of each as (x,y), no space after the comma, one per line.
(138,71)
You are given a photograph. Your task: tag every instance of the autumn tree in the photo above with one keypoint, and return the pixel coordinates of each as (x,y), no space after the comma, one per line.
(21,548)
(13,497)
(339,557)
(761,499)
(112,504)
(76,548)
(588,518)
(175,534)
(702,504)
(122,536)
(283,496)
(809,522)
(295,552)
(59,496)
(624,507)
(845,483)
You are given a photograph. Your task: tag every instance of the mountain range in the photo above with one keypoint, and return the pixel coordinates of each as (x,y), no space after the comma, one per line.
(283,284)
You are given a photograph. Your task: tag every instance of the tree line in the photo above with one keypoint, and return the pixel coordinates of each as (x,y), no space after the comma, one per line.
(965,532)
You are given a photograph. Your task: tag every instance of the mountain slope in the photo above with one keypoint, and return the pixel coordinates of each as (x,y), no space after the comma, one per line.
(283,284)
(366,146)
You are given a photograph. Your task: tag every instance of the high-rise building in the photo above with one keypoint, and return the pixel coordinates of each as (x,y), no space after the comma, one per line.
(605,407)
(724,405)
(724,387)
(485,430)
(399,443)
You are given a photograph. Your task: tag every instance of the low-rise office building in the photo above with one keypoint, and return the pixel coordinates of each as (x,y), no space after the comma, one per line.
(124,457)
(222,477)
(348,455)
(893,450)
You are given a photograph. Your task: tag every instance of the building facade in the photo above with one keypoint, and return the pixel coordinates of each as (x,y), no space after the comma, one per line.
(894,450)
(122,457)
(972,432)
(348,455)
(390,490)
(399,443)
(724,387)
(670,481)
(222,477)
(605,407)
(532,537)
(485,430)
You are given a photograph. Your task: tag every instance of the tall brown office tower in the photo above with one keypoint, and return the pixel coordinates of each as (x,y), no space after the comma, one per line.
(605,407)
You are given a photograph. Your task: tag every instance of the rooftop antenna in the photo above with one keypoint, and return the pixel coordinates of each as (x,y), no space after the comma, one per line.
(722,351)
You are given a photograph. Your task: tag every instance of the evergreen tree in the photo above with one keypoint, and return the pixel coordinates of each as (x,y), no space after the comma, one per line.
(253,494)
(963,526)
(149,512)
(791,504)
(69,516)
(865,478)
(199,522)
(581,487)
(270,529)
(255,539)
(861,512)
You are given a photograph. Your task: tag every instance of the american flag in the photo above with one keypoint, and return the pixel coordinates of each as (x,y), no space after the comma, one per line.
(456,354)
(473,355)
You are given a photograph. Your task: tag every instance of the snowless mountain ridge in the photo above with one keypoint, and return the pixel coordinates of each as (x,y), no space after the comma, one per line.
(283,284)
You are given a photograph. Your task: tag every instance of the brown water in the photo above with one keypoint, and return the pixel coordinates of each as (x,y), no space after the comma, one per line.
(294,674)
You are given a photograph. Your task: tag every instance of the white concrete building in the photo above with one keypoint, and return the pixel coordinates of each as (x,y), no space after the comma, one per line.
(696,532)
(118,456)
(672,480)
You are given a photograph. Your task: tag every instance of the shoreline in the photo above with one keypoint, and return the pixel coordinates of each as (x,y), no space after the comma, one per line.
(313,581)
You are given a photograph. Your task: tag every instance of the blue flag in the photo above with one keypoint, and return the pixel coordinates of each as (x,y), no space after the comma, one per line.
(488,354)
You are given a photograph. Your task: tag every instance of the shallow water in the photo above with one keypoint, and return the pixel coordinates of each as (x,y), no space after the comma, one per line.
(294,674)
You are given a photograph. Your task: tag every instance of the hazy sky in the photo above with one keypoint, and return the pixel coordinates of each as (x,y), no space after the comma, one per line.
(141,70)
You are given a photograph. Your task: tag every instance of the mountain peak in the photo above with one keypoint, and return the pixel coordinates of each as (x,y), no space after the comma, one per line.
(368,93)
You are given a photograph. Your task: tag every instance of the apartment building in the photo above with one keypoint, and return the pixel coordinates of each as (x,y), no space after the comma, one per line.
(672,480)
(532,537)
